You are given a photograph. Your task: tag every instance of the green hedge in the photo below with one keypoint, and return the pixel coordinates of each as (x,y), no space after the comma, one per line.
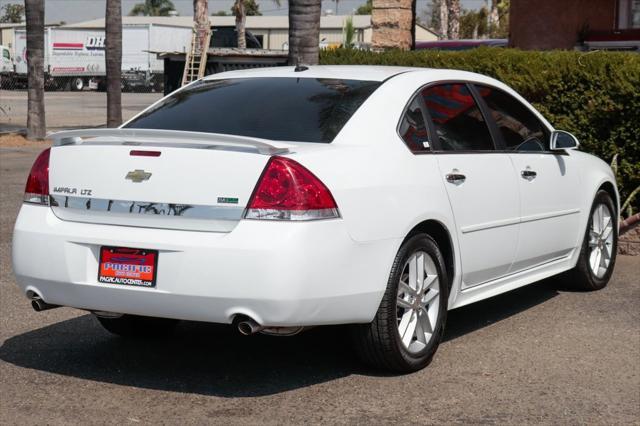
(595,95)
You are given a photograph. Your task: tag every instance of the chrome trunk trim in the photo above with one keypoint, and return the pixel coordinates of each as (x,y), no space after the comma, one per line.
(146,214)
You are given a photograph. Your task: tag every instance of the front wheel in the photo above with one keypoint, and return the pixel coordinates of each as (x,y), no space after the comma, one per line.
(407,329)
(599,247)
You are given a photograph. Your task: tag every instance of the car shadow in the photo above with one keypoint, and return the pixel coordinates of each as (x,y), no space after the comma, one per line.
(212,359)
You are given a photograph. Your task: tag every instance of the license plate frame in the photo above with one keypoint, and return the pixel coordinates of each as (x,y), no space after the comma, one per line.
(125,266)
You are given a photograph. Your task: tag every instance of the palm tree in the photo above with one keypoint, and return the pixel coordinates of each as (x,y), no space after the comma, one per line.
(34,13)
(304,31)
(153,8)
(240,13)
(239,9)
(444,18)
(113,61)
(201,21)
(453,10)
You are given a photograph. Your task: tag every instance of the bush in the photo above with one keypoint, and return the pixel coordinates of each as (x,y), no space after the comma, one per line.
(594,95)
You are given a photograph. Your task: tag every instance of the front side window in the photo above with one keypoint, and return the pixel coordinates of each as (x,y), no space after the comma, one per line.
(5,53)
(458,121)
(413,128)
(275,108)
(520,128)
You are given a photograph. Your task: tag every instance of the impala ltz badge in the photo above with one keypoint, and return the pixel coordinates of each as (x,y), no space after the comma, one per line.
(138,175)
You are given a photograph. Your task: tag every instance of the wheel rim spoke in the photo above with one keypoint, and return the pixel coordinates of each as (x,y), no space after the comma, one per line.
(404,304)
(426,321)
(405,288)
(431,294)
(409,331)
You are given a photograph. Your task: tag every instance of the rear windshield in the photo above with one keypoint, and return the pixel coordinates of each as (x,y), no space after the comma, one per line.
(276,108)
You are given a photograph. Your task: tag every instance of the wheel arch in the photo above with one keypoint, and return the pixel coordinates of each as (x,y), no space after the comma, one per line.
(439,232)
(610,188)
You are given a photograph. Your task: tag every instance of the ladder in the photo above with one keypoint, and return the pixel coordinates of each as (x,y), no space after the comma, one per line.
(196,61)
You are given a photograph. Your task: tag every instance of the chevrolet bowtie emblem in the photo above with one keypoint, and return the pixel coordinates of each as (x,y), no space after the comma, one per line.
(138,175)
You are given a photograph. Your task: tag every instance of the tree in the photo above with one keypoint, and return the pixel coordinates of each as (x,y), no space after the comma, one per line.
(365,9)
(349,32)
(201,22)
(36,127)
(453,16)
(12,13)
(252,8)
(241,9)
(113,61)
(494,17)
(473,23)
(443,9)
(241,18)
(153,8)
(304,31)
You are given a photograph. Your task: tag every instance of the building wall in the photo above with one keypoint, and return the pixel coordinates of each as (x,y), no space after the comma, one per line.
(556,24)
(278,38)
(423,34)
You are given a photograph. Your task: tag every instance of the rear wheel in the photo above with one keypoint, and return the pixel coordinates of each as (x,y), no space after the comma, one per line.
(77,84)
(599,247)
(408,327)
(137,326)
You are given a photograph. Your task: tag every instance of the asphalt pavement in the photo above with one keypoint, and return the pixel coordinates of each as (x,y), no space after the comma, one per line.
(68,109)
(537,355)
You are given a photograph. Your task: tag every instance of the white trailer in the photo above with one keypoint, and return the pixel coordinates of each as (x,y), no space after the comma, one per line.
(74,57)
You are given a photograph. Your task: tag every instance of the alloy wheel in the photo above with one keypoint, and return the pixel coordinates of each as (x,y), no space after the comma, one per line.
(600,240)
(418,301)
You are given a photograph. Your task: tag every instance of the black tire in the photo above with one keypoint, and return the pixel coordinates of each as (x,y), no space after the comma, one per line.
(137,326)
(77,84)
(582,277)
(378,343)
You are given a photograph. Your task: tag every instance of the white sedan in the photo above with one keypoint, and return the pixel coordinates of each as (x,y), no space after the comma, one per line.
(281,199)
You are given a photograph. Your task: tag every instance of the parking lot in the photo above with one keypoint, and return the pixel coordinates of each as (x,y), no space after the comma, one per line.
(535,355)
(69,109)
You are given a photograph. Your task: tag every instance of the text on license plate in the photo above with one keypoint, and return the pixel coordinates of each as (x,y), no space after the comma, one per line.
(128,266)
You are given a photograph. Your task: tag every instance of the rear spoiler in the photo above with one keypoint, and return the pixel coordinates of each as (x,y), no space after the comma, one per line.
(167,138)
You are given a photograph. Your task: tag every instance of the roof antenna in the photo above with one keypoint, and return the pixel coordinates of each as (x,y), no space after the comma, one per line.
(299,68)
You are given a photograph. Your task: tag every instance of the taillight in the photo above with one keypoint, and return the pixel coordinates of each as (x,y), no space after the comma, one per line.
(37,189)
(288,191)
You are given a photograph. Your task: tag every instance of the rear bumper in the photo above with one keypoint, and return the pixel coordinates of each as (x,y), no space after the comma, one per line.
(279,274)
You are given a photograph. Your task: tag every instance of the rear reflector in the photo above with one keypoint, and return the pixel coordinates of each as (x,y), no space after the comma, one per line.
(37,188)
(288,191)
(140,153)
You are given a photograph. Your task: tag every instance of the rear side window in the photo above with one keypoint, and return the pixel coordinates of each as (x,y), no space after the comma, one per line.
(458,121)
(413,129)
(276,108)
(520,128)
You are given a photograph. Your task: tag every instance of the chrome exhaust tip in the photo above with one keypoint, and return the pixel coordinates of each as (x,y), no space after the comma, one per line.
(40,305)
(247,326)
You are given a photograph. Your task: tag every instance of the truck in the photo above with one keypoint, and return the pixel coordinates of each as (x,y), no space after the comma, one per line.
(6,65)
(74,57)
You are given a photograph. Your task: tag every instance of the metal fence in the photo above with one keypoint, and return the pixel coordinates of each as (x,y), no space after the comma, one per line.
(138,83)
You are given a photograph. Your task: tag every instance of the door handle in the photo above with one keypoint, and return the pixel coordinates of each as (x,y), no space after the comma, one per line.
(455,177)
(528,174)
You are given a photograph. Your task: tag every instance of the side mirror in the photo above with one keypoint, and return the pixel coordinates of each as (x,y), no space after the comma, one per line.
(561,140)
